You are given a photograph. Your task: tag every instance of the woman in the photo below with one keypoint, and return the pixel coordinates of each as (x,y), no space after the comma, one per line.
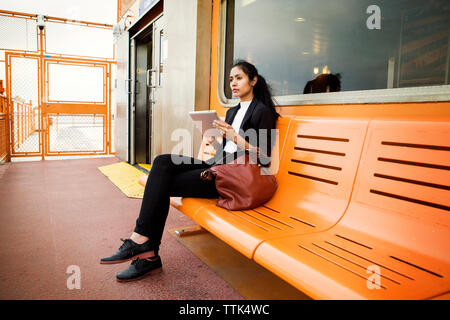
(255,113)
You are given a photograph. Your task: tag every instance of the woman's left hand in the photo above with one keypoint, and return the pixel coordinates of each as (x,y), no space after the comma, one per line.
(225,129)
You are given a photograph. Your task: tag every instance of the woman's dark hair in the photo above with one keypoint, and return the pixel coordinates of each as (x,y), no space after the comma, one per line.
(261,90)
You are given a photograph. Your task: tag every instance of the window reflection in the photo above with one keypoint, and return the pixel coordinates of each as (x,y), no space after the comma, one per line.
(295,42)
(325,82)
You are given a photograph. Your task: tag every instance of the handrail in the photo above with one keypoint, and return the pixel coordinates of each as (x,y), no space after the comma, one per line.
(23,121)
(55,19)
(4,125)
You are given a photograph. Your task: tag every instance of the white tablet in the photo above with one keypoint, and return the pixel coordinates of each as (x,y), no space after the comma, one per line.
(204,122)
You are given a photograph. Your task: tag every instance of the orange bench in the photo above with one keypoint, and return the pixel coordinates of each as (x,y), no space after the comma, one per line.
(355,197)
(397,224)
(309,198)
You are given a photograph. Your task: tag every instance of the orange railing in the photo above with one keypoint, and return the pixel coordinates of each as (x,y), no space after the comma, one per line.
(4,125)
(24,121)
(29,129)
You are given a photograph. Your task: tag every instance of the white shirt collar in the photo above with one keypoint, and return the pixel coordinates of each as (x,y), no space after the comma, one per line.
(245,104)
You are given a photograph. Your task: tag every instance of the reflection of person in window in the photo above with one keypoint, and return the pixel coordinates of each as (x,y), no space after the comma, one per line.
(324,83)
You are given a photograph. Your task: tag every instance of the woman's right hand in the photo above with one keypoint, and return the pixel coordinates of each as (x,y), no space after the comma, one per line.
(225,129)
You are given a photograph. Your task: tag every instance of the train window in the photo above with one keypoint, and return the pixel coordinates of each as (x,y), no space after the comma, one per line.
(308,46)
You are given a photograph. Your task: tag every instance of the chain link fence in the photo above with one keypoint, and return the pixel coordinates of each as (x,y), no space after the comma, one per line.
(75,75)
(18,33)
(75,83)
(84,41)
(76,133)
(25,105)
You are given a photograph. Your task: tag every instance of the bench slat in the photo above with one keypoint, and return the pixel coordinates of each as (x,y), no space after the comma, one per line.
(405,239)
(431,177)
(301,205)
(324,268)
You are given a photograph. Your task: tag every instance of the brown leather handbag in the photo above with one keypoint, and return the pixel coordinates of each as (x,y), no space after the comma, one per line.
(241,184)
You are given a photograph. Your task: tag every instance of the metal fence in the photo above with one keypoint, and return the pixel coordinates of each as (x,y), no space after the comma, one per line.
(4,125)
(58,92)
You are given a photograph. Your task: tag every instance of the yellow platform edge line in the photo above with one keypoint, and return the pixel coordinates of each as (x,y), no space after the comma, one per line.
(145,166)
(125,177)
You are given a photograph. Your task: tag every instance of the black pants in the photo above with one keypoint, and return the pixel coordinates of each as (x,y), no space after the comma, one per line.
(170,179)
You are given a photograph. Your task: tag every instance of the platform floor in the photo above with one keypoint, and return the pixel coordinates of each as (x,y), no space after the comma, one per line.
(57,214)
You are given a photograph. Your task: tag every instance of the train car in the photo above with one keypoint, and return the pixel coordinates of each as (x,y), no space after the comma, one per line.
(390,61)
(363,91)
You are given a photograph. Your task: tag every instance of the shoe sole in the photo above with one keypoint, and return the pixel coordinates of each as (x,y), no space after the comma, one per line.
(155,271)
(144,255)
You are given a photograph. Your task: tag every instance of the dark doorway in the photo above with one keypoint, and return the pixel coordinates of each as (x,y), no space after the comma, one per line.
(143,112)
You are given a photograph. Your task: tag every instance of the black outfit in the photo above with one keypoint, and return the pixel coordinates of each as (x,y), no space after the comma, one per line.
(171,179)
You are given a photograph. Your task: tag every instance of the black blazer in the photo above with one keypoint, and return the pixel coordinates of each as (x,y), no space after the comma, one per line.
(258,116)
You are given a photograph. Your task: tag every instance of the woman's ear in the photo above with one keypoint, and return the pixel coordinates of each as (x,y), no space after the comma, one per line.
(254,81)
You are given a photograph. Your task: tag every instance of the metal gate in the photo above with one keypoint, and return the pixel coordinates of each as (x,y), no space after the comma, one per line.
(59,97)
(22,79)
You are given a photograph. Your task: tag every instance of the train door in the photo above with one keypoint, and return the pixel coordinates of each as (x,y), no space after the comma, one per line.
(143,46)
(146,83)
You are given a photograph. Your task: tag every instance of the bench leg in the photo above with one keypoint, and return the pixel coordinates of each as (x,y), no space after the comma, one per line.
(190,230)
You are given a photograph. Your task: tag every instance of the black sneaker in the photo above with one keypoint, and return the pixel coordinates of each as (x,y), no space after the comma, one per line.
(129,250)
(140,268)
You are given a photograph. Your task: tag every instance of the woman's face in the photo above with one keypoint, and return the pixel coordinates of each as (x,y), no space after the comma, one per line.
(240,84)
